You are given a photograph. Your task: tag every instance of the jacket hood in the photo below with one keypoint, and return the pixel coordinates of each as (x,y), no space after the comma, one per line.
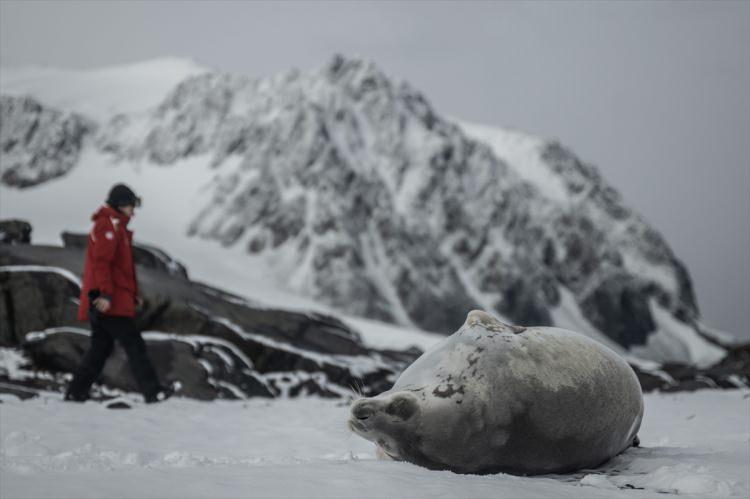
(106,210)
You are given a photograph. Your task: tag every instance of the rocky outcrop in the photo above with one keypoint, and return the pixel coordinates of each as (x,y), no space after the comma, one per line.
(38,143)
(33,300)
(216,345)
(733,371)
(204,367)
(15,232)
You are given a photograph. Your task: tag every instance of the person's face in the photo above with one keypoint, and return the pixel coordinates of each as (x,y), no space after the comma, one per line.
(128,209)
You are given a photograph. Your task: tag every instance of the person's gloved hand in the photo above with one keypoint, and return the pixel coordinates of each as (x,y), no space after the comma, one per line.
(102,304)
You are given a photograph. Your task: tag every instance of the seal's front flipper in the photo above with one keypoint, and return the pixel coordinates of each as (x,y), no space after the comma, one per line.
(382,455)
(119,403)
(636,441)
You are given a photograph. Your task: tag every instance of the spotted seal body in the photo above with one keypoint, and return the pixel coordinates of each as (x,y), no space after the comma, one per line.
(496,398)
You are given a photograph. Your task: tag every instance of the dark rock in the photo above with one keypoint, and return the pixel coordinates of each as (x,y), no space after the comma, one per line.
(619,306)
(733,368)
(689,385)
(33,301)
(15,232)
(679,371)
(733,371)
(650,381)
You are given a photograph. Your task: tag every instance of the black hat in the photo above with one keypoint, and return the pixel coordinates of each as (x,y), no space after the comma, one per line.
(122,195)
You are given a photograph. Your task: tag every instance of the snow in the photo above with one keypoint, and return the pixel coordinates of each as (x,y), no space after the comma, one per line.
(375,258)
(102,92)
(485,300)
(672,335)
(11,363)
(383,335)
(721,337)
(661,274)
(692,444)
(523,153)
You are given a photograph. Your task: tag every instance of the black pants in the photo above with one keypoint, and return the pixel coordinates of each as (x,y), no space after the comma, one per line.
(104,331)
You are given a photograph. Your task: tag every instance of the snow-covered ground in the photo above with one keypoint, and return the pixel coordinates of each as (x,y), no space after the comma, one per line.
(692,443)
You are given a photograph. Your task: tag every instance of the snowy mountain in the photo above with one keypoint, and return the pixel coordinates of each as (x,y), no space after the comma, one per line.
(38,143)
(347,187)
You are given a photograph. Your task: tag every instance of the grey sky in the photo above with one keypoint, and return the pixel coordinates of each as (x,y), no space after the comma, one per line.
(656,94)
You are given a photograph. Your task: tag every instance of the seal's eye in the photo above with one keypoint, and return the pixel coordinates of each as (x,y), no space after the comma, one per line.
(401,407)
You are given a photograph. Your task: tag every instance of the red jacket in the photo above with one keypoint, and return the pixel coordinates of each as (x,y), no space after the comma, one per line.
(109,264)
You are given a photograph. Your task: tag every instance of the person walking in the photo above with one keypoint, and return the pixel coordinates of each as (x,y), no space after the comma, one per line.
(109,297)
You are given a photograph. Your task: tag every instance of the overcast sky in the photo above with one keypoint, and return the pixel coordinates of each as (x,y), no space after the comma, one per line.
(655,94)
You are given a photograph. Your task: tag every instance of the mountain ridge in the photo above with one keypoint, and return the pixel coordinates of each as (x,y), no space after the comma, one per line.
(372,202)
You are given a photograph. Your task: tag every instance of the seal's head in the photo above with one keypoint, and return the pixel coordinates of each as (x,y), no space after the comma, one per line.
(390,420)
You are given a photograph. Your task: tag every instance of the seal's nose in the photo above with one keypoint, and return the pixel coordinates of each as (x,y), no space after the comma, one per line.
(362,409)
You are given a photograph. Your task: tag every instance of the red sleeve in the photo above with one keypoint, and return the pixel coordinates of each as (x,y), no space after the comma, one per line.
(103,253)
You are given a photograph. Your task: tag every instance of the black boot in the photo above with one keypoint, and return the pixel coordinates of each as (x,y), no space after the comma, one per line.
(70,397)
(163,394)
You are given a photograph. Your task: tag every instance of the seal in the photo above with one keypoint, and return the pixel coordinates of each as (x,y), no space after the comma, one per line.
(495,398)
